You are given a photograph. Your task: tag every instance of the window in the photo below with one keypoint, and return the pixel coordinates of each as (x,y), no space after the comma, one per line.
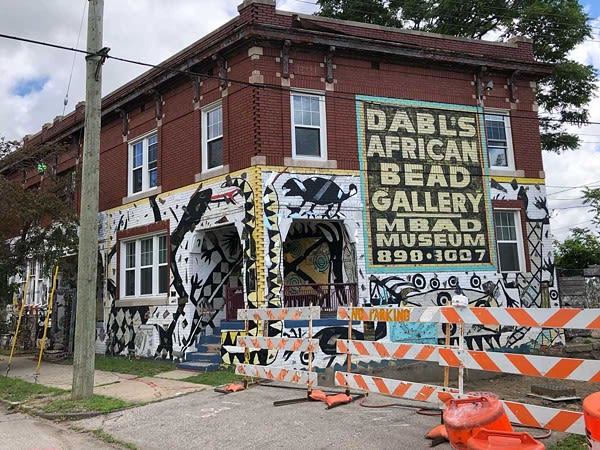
(144,267)
(309,139)
(499,140)
(143,167)
(212,137)
(509,240)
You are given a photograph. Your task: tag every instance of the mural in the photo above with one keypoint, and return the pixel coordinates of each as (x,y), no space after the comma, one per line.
(422,168)
(427,233)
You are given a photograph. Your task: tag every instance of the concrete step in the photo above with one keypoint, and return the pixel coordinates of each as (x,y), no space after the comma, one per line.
(212,347)
(205,357)
(198,366)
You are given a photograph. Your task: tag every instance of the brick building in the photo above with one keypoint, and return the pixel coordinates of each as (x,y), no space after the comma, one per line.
(292,158)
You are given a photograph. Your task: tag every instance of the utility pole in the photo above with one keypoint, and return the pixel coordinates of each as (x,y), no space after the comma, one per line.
(85,325)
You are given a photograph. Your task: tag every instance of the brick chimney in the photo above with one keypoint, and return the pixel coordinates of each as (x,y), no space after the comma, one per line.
(255,10)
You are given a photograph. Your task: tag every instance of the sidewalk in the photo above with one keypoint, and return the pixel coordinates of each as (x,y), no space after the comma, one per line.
(136,390)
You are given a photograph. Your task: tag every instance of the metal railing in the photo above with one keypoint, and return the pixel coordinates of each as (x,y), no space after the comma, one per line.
(327,296)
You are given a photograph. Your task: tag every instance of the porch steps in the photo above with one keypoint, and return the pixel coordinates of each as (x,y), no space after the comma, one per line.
(206,356)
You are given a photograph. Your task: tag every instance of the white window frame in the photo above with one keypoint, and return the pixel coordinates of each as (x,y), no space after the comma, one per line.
(205,139)
(144,166)
(516,213)
(137,240)
(322,125)
(510,157)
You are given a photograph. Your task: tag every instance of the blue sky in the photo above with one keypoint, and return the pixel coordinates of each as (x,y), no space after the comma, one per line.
(24,87)
(34,79)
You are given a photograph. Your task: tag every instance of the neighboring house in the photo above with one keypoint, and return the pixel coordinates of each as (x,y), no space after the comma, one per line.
(378,165)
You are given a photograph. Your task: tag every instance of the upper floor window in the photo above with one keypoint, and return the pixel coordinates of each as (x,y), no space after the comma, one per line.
(499,140)
(144,267)
(143,164)
(212,137)
(309,137)
(509,240)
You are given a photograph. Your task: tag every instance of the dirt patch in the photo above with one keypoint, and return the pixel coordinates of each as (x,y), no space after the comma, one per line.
(516,388)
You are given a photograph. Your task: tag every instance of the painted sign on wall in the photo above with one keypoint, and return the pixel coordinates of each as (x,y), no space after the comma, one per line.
(423,174)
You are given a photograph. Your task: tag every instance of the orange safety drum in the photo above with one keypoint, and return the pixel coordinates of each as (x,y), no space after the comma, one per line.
(486,439)
(591,416)
(464,417)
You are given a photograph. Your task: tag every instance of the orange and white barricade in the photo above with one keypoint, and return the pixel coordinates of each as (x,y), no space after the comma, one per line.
(461,358)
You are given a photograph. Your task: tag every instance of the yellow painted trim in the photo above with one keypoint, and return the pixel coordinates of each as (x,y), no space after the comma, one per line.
(188,187)
(520,180)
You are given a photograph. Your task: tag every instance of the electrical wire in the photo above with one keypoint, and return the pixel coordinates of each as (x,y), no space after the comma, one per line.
(349,96)
(66,100)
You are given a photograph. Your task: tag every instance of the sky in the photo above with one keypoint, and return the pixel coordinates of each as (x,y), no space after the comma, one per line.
(34,80)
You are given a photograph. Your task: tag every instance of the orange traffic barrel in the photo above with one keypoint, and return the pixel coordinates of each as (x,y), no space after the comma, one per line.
(591,416)
(486,439)
(464,417)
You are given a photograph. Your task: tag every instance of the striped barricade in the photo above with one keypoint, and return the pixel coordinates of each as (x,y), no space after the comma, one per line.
(576,318)
(529,365)
(418,352)
(273,343)
(304,313)
(390,314)
(394,388)
(309,345)
(277,374)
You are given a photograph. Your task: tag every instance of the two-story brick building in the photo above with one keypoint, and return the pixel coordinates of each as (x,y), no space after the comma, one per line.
(291,158)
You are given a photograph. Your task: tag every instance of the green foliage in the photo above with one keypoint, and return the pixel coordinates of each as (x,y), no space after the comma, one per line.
(555,27)
(39,222)
(571,442)
(16,390)
(96,403)
(592,197)
(216,378)
(580,250)
(139,367)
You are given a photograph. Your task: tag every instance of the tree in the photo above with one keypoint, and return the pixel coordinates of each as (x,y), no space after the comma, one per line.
(580,250)
(38,223)
(555,26)
(592,197)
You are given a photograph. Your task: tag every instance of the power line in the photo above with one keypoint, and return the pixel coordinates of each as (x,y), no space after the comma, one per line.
(66,100)
(350,96)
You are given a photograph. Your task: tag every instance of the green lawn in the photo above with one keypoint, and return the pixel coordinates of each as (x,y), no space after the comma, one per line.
(98,403)
(571,442)
(54,400)
(140,367)
(120,364)
(216,378)
(16,390)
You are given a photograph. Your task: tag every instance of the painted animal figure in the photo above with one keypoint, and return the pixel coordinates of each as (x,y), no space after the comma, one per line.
(319,191)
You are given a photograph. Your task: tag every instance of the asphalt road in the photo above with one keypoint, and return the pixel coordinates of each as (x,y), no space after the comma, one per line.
(22,432)
(248,420)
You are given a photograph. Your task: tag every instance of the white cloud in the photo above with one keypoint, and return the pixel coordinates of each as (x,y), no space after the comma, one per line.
(580,167)
(151,31)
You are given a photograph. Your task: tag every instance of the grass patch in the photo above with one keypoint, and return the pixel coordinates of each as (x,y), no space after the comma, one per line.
(216,378)
(571,442)
(120,364)
(109,439)
(97,403)
(16,390)
(140,367)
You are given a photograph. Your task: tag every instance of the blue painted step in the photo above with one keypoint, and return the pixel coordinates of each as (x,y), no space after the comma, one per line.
(204,357)
(232,325)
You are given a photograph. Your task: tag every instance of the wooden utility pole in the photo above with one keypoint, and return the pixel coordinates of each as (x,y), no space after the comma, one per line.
(85,325)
